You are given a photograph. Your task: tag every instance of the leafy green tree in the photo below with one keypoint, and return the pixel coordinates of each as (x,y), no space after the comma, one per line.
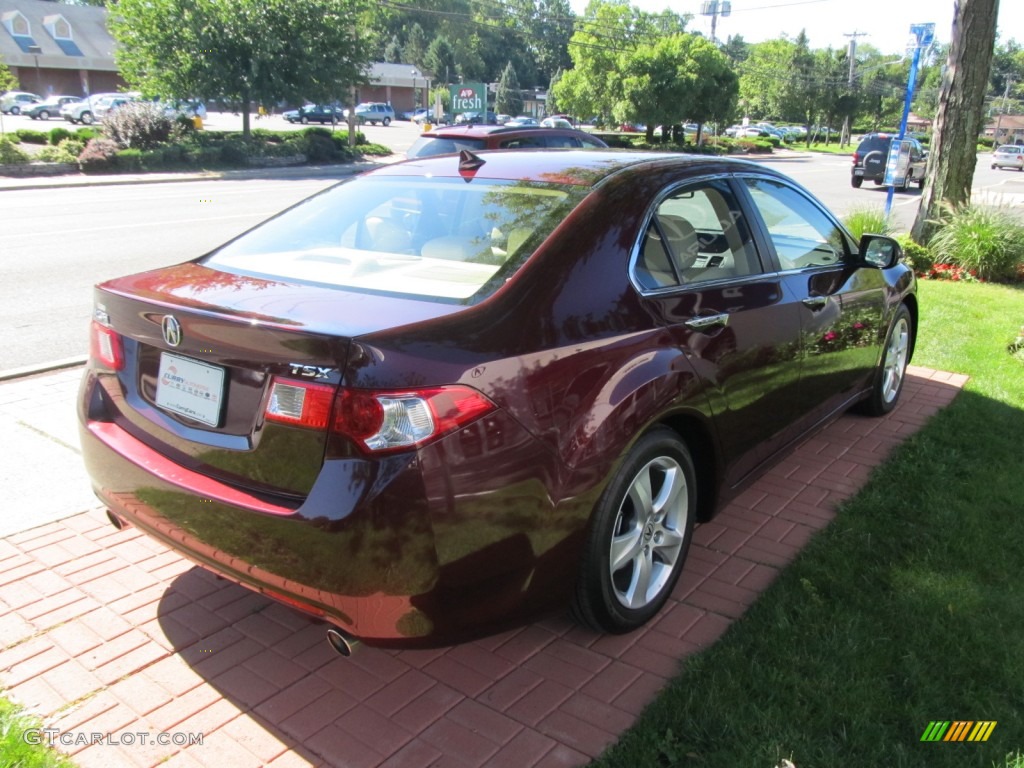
(676,78)
(393,51)
(509,99)
(244,51)
(440,60)
(553,106)
(416,46)
(607,30)
(8,82)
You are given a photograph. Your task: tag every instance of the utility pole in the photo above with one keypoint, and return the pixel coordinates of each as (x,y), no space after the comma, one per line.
(844,140)
(999,117)
(714,9)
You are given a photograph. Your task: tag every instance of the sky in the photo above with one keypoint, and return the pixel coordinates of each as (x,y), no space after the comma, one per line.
(886,22)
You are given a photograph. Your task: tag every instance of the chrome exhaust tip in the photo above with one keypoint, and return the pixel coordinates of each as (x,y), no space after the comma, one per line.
(116,521)
(341,642)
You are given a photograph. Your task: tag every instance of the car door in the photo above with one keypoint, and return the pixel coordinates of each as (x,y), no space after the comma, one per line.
(700,275)
(841,306)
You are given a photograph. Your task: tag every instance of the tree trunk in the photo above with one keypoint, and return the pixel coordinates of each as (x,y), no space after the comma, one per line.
(953,148)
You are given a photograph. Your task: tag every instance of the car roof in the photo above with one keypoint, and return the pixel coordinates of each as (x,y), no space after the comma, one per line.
(584,167)
(478,131)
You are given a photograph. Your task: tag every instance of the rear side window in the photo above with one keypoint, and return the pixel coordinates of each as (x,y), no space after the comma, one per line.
(697,234)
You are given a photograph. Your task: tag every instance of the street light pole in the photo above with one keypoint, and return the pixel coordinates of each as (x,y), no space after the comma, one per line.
(35,50)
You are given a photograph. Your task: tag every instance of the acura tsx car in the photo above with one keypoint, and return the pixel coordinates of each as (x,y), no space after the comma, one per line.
(461,391)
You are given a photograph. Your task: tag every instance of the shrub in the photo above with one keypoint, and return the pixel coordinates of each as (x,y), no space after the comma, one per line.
(863,220)
(67,151)
(57,135)
(10,154)
(98,156)
(987,241)
(235,152)
(88,133)
(986,142)
(138,125)
(29,136)
(128,160)
(917,256)
(319,148)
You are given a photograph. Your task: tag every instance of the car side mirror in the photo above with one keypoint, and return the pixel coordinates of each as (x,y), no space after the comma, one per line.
(880,251)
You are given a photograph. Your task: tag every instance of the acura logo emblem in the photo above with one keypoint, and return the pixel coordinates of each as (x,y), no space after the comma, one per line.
(172,330)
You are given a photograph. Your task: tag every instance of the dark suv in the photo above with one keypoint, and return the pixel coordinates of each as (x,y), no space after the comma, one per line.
(455,138)
(873,153)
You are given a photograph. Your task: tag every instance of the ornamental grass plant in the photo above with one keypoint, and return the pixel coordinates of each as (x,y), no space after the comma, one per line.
(986,241)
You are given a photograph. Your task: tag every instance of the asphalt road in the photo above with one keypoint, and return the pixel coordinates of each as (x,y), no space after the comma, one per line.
(55,244)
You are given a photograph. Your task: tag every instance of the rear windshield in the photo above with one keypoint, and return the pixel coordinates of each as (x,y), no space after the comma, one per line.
(428,146)
(438,239)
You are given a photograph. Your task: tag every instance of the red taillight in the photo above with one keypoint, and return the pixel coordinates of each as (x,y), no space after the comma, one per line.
(300,403)
(106,346)
(856,158)
(377,421)
(383,421)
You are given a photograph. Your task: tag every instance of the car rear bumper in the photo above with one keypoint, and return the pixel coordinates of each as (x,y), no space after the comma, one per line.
(413,549)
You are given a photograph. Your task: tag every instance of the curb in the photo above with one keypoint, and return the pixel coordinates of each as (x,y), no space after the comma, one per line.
(32,370)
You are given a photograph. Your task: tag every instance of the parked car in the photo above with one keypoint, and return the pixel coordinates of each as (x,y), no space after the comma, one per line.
(86,110)
(316,113)
(374,113)
(103,107)
(445,139)
(452,394)
(523,121)
(13,102)
(1009,156)
(413,114)
(44,110)
(555,122)
(476,118)
(872,155)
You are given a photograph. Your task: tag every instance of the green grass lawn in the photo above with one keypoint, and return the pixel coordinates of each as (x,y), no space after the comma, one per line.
(16,751)
(908,608)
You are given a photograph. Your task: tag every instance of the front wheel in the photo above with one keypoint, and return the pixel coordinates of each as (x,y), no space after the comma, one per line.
(305,120)
(86,118)
(15,110)
(639,536)
(892,369)
(44,115)
(387,121)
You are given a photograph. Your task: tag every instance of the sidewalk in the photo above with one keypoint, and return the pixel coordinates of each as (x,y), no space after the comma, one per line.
(293,171)
(107,632)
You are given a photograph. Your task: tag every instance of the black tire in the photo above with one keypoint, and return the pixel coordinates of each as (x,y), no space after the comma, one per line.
(44,115)
(920,183)
(15,110)
(305,120)
(644,522)
(856,181)
(387,121)
(892,366)
(993,166)
(86,118)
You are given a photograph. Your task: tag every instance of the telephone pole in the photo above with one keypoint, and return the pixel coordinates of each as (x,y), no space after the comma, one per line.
(844,139)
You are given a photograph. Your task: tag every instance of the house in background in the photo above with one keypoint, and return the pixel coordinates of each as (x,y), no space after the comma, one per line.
(54,48)
(1006,129)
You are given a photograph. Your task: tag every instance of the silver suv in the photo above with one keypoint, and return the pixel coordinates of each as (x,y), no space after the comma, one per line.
(375,112)
(1009,156)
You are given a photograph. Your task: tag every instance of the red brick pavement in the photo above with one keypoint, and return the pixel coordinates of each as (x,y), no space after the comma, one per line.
(107,632)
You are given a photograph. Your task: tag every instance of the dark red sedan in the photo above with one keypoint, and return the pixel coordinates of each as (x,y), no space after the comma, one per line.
(453,393)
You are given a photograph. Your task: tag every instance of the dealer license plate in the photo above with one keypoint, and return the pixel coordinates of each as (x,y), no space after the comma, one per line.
(190,388)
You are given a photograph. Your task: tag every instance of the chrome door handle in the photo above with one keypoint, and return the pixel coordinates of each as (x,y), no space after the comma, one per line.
(707,322)
(816,302)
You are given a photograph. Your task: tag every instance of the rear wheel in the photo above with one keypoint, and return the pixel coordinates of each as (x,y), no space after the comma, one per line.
(892,369)
(639,536)
(44,115)
(15,110)
(856,181)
